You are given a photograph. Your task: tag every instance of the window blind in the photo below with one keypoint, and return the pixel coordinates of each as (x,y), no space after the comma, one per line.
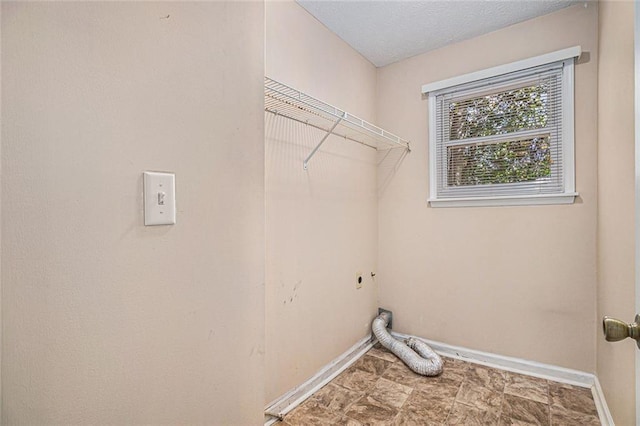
(501,136)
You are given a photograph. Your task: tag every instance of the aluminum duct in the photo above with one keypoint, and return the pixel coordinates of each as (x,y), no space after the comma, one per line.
(417,355)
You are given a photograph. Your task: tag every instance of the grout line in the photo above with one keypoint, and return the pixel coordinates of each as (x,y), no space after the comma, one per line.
(501,409)
(455,399)
(502,397)
(346,408)
(451,409)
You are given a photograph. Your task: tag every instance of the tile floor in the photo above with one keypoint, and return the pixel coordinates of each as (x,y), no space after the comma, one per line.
(380,390)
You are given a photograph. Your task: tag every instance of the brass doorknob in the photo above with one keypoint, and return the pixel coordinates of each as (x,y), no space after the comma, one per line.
(615,330)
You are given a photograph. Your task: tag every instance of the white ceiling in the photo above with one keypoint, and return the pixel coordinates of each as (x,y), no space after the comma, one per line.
(388,31)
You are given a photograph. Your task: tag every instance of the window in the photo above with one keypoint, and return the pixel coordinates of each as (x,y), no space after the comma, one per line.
(504,136)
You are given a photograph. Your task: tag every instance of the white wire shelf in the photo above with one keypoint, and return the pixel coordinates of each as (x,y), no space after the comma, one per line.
(280,99)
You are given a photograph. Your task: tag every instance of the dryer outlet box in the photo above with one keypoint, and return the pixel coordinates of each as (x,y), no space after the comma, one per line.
(381,310)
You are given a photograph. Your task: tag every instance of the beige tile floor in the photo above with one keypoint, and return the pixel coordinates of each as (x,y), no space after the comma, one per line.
(380,390)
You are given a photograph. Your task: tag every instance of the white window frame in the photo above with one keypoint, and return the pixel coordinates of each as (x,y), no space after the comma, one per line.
(567,139)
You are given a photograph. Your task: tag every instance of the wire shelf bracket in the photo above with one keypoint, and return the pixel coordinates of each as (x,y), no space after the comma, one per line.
(285,101)
(305,164)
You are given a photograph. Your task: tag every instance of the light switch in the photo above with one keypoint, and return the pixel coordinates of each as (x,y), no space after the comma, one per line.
(159,198)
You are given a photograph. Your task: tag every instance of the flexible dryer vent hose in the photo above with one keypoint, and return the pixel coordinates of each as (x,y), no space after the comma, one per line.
(418,356)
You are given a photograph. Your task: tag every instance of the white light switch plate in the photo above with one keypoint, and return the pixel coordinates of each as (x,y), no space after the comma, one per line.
(159,198)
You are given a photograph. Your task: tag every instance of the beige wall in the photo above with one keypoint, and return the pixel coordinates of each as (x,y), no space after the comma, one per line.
(322,222)
(616,168)
(516,281)
(106,321)
(0,219)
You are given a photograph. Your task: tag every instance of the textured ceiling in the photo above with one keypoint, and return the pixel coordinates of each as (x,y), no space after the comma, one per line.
(388,31)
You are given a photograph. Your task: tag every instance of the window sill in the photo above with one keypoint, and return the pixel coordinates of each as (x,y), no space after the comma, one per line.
(523,200)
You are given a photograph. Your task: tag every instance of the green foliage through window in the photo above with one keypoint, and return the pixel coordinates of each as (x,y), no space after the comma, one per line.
(503,162)
(499,162)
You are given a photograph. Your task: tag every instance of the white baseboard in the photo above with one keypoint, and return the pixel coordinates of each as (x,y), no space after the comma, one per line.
(290,400)
(516,365)
(601,404)
(531,368)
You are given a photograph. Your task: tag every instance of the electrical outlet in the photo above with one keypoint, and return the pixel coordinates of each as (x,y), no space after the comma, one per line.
(359,280)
